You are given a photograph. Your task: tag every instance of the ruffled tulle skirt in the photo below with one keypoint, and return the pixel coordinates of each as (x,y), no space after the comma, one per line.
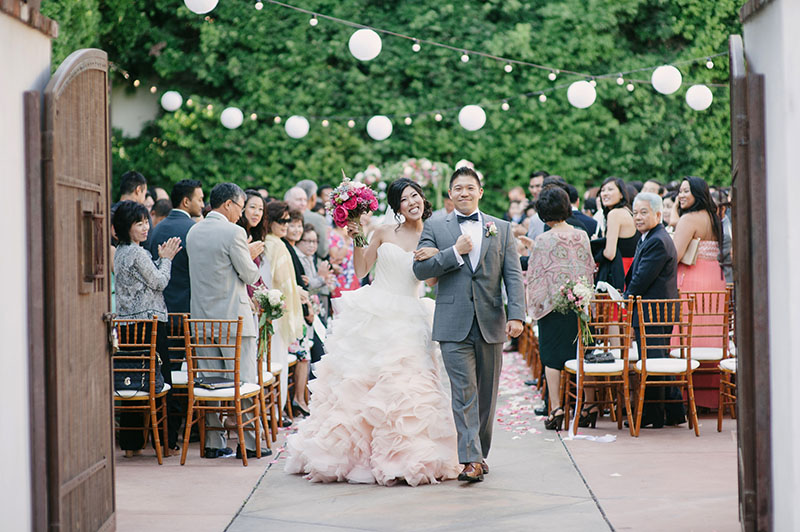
(380,405)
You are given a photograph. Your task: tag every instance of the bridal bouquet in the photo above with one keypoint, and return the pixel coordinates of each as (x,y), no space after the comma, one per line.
(348,202)
(271,305)
(576,296)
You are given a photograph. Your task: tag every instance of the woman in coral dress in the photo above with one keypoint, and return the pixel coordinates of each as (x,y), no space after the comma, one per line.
(698,219)
(380,405)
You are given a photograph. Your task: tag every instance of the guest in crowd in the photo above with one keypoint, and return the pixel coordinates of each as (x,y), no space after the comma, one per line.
(318,274)
(254,223)
(187,195)
(535,183)
(653,275)
(132,187)
(559,254)
(670,218)
(310,217)
(289,327)
(324,192)
(575,201)
(614,254)
(340,250)
(160,194)
(726,253)
(140,285)
(160,210)
(654,187)
(149,200)
(222,267)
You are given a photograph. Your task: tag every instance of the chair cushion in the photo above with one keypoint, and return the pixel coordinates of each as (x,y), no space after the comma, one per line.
(275,368)
(134,394)
(667,365)
(633,353)
(246,388)
(268,378)
(180,378)
(291,359)
(703,354)
(609,367)
(728,364)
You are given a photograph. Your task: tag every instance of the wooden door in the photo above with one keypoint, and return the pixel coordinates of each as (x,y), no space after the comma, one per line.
(76,165)
(749,216)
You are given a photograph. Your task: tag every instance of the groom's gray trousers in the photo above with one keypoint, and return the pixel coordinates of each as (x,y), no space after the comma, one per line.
(474,370)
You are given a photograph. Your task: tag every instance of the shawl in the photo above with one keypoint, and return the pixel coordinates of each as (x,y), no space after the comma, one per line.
(290,325)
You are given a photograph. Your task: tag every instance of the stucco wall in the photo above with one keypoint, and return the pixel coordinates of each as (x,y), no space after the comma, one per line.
(772,48)
(25,56)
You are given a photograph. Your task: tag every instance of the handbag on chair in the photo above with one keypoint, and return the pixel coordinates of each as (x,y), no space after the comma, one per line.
(139,380)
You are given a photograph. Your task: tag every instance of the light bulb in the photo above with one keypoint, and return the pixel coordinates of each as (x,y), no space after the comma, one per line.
(407,120)
(253,116)
(153,89)
(351,123)
(209,107)
(464,57)
(125,75)
(189,102)
(259,6)
(504,106)
(593,83)
(551,76)
(620,80)
(416,47)
(508,67)
(438,117)
(325,123)
(136,83)
(630,87)
(709,64)
(542,98)
(277,120)
(314,21)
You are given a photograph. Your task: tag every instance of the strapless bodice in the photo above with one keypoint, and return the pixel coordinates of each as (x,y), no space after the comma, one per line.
(708,250)
(393,272)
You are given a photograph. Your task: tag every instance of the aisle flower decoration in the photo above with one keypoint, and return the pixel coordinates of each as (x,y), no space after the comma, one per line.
(348,202)
(576,296)
(271,305)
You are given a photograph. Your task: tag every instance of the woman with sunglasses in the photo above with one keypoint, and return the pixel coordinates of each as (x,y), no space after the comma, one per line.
(289,327)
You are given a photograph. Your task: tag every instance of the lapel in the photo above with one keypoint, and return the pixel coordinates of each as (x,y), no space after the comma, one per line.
(452,224)
(485,239)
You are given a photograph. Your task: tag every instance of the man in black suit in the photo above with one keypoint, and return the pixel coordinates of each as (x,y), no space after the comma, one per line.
(187,199)
(654,275)
(574,199)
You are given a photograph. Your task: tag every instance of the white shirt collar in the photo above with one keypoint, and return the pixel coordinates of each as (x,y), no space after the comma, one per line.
(181,210)
(478,211)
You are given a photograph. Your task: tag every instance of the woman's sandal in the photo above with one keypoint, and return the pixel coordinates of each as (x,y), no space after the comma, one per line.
(588,416)
(553,421)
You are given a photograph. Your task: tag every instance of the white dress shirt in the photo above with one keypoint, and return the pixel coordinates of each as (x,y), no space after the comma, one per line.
(475,231)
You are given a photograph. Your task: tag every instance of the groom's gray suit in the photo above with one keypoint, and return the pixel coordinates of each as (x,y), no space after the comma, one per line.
(470,321)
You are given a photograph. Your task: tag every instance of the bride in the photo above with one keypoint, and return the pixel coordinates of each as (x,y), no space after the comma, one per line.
(380,409)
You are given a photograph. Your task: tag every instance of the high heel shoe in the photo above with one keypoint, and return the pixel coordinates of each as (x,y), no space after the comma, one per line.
(588,417)
(553,422)
(297,408)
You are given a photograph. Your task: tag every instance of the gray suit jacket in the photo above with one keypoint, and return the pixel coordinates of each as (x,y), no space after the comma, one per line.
(463,293)
(221,270)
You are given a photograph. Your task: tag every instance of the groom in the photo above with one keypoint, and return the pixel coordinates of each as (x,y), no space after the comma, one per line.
(477,253)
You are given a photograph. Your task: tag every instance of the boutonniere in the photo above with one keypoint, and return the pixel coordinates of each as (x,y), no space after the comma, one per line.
(491,229)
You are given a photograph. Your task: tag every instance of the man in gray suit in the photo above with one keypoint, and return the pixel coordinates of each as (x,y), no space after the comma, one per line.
(222,267)
(477,254)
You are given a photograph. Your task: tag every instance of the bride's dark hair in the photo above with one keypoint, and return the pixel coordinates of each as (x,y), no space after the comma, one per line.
(395,193)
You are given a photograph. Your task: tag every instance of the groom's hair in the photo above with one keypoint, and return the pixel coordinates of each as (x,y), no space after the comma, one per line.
(465,170)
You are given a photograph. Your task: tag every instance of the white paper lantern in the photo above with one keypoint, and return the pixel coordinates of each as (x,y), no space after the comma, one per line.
(296,127)
(666,79)
(581,94)
(231,118)
(171,100)
(472,117)
(201,7)
(379,127)
(699,97)
(365,45)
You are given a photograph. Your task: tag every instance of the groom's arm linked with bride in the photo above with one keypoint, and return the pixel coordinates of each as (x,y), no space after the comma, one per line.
(477,256)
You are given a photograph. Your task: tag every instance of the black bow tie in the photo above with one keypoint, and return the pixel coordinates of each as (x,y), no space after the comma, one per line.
(471,218)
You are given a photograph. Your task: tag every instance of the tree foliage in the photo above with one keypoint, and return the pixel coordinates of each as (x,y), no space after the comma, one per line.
(273,62)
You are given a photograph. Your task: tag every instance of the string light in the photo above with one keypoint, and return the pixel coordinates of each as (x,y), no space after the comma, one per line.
(325,123)
(153,89)
(209,107)
(508,67)
(407,121)
(189,102)
(542,97)
(504,106)
(253,116)
(630,87)
(552,75)
(314,20)
(136,83)
(351,123)
(277,120)
(259,6)
(620,80)
(416,47)
(593,82)
(709,63)
(464,57)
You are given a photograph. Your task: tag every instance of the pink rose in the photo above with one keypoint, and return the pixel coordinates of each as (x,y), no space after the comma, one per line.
(350,204)
(340,216)
(373,205)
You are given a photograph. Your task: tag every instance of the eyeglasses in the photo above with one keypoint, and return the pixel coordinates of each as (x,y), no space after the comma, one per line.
(315,241)
(241,207)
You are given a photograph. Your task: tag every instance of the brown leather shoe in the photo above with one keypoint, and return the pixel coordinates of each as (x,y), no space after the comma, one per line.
(485,467)
(472,472)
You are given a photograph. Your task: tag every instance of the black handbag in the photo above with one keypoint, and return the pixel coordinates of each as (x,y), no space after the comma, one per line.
(598,357)
(214,383)
(138,380)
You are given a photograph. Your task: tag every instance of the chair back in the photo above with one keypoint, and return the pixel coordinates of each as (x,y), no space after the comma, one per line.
(137,336)
(201,338)
(176,339)
(610,324)
(711,321)
(665,324)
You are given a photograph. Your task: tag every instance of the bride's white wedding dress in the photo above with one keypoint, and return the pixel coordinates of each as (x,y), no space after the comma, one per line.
(380,405)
